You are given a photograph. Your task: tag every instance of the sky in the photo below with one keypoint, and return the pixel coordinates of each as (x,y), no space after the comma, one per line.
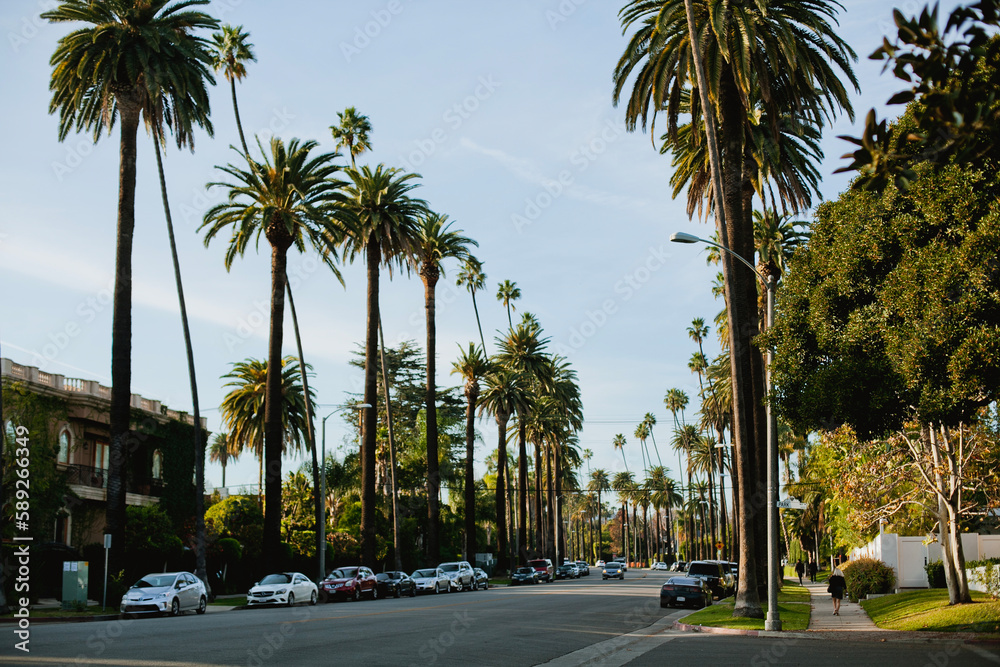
(504,109)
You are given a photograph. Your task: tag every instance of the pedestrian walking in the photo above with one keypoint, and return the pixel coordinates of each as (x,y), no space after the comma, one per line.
(800,569)
(836,587)
(812,570)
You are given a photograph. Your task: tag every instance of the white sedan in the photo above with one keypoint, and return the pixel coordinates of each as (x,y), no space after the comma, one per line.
(283,588)
(660,566)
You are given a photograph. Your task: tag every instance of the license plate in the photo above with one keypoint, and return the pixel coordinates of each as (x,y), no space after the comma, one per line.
(680,599)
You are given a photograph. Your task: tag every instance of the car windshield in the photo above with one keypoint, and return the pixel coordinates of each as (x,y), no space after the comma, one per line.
(524,570)
(423,574)
(450,567)
(276,579)
(391,575)
(345,573)
(155,581)
(704,568)
(612,566)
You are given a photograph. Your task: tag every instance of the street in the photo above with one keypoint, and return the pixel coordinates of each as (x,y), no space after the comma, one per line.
(584,621)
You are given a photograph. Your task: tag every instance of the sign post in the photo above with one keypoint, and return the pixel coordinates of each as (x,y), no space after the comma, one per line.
(107,548)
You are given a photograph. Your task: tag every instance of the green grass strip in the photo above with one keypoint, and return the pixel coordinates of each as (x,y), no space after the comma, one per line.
(928,610)
(793,607)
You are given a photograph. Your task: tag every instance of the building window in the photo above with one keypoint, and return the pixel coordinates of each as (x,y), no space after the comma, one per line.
(101,455)
(157,465)
(65,442)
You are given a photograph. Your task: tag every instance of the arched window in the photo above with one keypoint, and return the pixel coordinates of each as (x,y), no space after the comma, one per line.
(65,442)
(157,465)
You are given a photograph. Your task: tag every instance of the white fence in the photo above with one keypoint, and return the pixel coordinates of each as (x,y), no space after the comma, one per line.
(908,555)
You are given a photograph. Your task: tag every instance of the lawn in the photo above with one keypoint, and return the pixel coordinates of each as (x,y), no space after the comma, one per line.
(928,610)
(793,606)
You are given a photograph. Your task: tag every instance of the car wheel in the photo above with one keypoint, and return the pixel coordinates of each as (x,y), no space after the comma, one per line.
(175,607)
(202,605)
(291,599)
(374,592)
(437,589)
(399,593)
(357,593)
(312,598)
(413,592)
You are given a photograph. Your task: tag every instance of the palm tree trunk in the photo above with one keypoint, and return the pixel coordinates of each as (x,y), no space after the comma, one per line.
(368,556)
(223,473)
(541,538)
(522,491)
(430,277)
(236,110)
(478,323)
(396,533)
(600,538)
(500,495)
(471,395)
(273,427)
(199,441)
(121,334)
(310,429)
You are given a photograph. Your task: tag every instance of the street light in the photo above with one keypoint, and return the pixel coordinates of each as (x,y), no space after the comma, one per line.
(322,486)
(773,620)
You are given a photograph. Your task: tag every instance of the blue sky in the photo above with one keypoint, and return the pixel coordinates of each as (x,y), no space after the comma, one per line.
(503,108)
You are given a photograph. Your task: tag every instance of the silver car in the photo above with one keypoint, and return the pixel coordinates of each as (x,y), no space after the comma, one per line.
(431,580)
(165,593)
(461,574)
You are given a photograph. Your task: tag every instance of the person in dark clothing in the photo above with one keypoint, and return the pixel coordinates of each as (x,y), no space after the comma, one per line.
(836,589)
(812,570)
(799,570)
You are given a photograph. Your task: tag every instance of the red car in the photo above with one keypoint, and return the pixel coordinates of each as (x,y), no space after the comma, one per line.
(543,566)
(350,583)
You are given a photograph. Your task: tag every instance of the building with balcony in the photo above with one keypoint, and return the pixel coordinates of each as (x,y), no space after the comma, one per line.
(82,431)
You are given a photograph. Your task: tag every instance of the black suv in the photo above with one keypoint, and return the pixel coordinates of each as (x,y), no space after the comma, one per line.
(719,580)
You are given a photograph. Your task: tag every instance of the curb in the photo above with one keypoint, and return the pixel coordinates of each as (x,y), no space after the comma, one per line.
(706,629)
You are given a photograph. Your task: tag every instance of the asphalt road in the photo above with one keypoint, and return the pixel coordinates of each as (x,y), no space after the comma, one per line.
(584,621)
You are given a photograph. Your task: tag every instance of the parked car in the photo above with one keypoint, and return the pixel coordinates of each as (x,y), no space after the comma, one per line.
(613,571)
(660,565)
(350,583)
(431,580)
(679,566)
(727,568)
(599,563)
(543,566)
(685,592)
(718,580)
(567,571)
(462,577)
(524,575)
(283,588)
(584,568)
(482,579)
(165,593)
(395,584)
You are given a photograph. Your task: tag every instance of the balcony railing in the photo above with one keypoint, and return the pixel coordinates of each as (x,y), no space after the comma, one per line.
(97,478)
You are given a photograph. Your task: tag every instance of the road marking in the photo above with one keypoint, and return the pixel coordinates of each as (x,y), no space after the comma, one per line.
(983,653)
(111,662)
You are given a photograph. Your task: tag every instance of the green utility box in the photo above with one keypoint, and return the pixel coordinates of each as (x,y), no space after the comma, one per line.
(74,591)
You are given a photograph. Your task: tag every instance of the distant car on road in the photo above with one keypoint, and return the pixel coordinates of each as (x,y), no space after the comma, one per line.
(431,580)
(165,593)
(543,566)
(524,575)
(482,579)
(599,563)
(568,571)
(613,571)
(283,588)
(660,565)
(584,568)
(679,566)
(394,584)
(685,592)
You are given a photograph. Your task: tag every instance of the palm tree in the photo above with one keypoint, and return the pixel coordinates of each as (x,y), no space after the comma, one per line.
(231,52)
(133,52)
(222,451)
(650,421)
(624,484)
(434,242)
(289,197)
(508,292)
(472,367)
(352,133)
(504,394)
(619,444)
(474,279)
(383,218)
(243,409)
(676,400)
(642,434)
(599,483)
(683,441)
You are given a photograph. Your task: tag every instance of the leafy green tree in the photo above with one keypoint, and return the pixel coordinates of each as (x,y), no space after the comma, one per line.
(288,198)
(240,518)
(132,51)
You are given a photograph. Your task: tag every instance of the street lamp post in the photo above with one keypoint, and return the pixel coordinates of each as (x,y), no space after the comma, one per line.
(322,486)
(773,620)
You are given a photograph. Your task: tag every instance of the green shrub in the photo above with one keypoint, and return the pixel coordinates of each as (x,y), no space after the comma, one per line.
(238,517)
(866,576)
(935,574)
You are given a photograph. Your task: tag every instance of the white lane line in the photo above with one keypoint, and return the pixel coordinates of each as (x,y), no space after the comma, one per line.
(983,653)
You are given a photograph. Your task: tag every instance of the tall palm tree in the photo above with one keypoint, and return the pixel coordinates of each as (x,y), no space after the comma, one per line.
(353,133)
(683,441)
(222,451)
(599,483)
(675,401)
(505,391)
(624,485)
(434,243)
(642,434)
(231,51)
(472,367)
(474,279)
(383,218)
(289,198)
(132,52)
(650,421)
(619,444)
(508,292)
(243,408)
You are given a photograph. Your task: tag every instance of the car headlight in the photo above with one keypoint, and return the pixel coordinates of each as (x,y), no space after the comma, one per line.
(161,596)
(280,591)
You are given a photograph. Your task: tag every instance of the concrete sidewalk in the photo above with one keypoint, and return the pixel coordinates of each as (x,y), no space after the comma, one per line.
(852,617)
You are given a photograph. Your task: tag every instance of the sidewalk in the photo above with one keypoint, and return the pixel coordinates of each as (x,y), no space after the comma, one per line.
(852,617)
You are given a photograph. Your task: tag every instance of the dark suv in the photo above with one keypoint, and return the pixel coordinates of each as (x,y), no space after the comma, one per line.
(719,580)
